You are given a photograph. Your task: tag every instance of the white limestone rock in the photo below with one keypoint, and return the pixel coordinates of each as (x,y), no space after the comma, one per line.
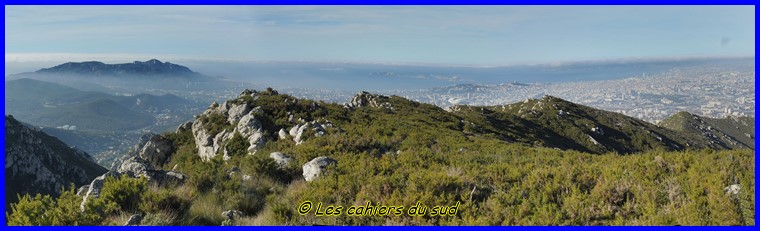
(314,168)
(283,160)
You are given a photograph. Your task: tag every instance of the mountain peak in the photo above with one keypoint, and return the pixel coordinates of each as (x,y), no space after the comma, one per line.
(551,98)
(154,61)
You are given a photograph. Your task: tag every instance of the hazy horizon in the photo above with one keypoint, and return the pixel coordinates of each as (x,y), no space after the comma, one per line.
(403,35)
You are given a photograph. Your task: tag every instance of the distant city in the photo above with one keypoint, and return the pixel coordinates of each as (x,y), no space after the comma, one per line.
(708,91)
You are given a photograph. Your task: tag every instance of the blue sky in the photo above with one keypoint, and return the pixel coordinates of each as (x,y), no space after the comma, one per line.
(465,35)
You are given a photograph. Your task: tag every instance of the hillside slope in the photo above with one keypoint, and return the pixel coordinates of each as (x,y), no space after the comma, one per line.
(730,132)
(553,122)
(53,105)
(38,163)
(258,158)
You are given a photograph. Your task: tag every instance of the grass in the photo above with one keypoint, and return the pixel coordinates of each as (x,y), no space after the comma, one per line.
(206,210)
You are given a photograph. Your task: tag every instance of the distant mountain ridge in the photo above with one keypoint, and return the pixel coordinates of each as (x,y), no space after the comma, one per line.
(151,67)
(130,78)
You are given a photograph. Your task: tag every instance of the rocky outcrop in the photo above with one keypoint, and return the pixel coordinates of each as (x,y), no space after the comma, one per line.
(132,152)
(157,150)
(238,113)
(250,127)
(298,131)
(283,160)
(203,141)
(366,99)
(186,126)
(38,163)
(137,167)
(219,139)
(314,168)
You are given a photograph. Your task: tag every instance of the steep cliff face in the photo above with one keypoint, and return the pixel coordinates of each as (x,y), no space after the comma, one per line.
(38,163)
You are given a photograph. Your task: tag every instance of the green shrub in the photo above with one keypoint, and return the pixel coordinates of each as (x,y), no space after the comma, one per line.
(124,192)
(45,210)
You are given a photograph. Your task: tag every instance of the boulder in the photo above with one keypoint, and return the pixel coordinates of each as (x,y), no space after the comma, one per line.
(135,167)
(299,133)
(282,160)
(314,168)
(168,178)
(294,130)
(256,141)
(157,150)
(134,220)
(282,134)
(732,189)
(232,214)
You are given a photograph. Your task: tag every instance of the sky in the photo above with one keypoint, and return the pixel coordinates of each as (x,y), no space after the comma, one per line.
(456,35)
